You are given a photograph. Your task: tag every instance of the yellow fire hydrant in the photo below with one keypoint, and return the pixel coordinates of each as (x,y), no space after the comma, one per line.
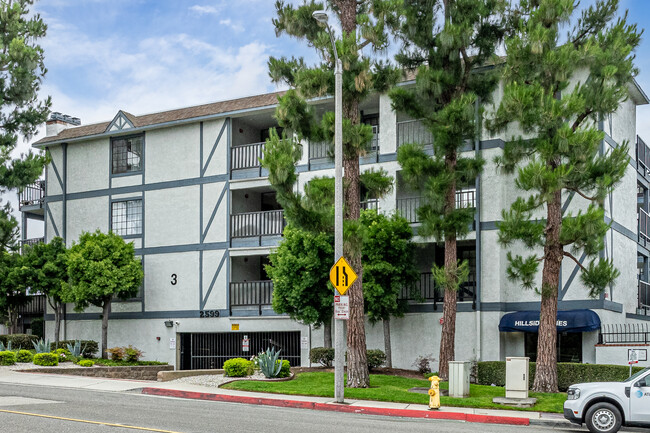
(434,393)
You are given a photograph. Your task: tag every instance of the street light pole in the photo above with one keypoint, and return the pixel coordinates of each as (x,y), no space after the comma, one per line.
(339,330)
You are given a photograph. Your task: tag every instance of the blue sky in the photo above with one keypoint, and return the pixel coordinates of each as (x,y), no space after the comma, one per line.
(144,56)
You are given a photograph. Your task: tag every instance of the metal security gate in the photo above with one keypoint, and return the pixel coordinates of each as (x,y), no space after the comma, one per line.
(208,351)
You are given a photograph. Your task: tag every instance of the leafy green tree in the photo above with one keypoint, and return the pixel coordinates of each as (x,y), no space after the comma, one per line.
(46,268)
(299,268)
(8,229)
(21,73)
(448,43)
(557,87)
(101,267)
(13,288)
(389,268)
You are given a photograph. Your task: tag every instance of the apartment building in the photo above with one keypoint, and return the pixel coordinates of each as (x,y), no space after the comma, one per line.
(186,187)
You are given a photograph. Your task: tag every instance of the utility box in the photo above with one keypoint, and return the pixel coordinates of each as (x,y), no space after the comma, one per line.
(459,378)
(517,377)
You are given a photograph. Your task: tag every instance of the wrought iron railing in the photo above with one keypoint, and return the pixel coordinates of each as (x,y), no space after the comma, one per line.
(251,293)
(25,244)
(644,297)
(642,155)
(624,333)
(408,207)
(246,156)
(32,194)
(36,306)
(254,224)
(413,131)
(644,224)
(425,290)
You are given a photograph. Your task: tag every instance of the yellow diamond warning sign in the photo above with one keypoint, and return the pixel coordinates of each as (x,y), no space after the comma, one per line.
(342,276)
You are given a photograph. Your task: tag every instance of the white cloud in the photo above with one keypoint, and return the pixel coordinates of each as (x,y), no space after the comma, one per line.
(237,27)
(202,10)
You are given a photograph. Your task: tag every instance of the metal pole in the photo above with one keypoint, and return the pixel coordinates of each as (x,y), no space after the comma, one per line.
(339,331)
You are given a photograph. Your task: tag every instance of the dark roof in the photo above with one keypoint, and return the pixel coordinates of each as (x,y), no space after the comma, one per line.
(214,108)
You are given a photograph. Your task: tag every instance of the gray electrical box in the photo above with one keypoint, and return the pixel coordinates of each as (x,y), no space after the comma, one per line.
(459,378)
(517,377)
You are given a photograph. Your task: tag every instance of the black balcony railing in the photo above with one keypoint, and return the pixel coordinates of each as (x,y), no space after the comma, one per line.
(413,131)
(246,156)
(35,307)
(624,333)
(251,293)
(369,204)
(408,207)
(644,298)
(32,194)
(642,155)
(25,244)
(425,290)
(644,225)
(255,224)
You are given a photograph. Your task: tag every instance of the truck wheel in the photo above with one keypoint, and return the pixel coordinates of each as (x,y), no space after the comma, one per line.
(603,418)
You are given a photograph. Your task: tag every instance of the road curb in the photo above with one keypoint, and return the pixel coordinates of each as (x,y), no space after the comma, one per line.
(333,407)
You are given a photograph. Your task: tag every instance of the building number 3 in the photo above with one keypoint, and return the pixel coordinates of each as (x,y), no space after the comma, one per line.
(174,279)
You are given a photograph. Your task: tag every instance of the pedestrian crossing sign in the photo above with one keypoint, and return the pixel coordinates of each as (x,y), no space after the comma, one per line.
(342,276)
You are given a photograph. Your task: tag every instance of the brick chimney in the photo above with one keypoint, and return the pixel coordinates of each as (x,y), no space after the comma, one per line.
(58,122)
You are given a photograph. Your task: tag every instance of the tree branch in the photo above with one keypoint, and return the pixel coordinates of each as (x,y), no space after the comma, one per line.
(571,256)
(580,118)
(363,44)
(581,194)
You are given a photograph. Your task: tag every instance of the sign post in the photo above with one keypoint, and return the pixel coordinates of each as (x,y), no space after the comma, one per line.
(632,358)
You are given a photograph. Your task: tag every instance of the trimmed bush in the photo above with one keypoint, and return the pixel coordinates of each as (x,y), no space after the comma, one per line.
(88,347)
(46,359)
(131,354)
(322,355)
(24,356)
(7,358)
(375,357)
(494,372)
(86,363)
(285,371)
(19,341)
(238,367)
(116,353)
(64,355)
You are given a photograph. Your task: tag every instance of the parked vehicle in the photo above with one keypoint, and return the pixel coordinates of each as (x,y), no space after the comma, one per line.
(606,406)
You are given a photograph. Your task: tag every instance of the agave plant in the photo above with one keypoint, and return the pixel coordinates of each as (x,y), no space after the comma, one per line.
(76,350)
(268,362)
(3,348)
(41,346)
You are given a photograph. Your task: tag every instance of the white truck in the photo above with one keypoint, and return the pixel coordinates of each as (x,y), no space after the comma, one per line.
(606,406)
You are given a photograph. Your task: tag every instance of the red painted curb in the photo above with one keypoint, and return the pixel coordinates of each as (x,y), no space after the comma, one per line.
(406,413)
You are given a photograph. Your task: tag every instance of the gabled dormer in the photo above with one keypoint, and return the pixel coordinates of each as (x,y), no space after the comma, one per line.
(121,121)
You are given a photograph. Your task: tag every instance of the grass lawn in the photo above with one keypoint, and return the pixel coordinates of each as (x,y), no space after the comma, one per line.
(394,389)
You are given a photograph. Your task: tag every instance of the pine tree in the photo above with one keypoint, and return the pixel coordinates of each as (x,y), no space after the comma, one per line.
(363,25)
(21,73)
(448,43)
(558,87)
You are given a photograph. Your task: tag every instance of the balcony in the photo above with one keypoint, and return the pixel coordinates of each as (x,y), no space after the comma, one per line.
(32,195)
(369,204)
(245,156)
(413,131)
(25,244)
(321,149)
(644,298)
(644,226)
(35,307)
(426,291)
(408,207)
(642,156)
(248,294)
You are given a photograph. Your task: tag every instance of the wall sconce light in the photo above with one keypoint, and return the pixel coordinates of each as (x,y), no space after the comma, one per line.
(169,323)
(158,338)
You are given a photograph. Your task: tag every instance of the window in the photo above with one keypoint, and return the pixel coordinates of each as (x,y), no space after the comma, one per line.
(126,217)
(127,154)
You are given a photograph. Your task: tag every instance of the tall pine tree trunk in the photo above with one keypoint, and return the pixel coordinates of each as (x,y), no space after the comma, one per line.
(327,333)
(448,336)
(106,310)
(387,349)
(546,366)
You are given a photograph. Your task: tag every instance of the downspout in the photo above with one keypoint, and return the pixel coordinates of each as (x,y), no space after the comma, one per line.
(477,218)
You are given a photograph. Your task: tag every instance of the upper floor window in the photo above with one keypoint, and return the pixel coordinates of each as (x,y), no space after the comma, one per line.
(127,154)
(126,217)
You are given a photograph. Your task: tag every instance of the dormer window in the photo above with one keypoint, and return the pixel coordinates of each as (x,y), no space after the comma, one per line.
(127,154)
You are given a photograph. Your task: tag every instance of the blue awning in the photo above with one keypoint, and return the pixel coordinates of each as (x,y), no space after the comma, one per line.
(567,321)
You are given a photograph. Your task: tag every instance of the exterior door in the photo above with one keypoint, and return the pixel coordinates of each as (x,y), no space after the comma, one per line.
(640,400)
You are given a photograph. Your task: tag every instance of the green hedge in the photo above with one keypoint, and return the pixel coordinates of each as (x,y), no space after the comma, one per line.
(285,371)
(46,359)
(238,367)
(24,356)
(375,358)
(88,347)
(86,363)
(7,358)
(19,341)
(494,372)
(322,355)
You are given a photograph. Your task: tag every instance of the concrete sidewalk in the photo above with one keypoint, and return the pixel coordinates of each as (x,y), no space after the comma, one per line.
(185,390)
